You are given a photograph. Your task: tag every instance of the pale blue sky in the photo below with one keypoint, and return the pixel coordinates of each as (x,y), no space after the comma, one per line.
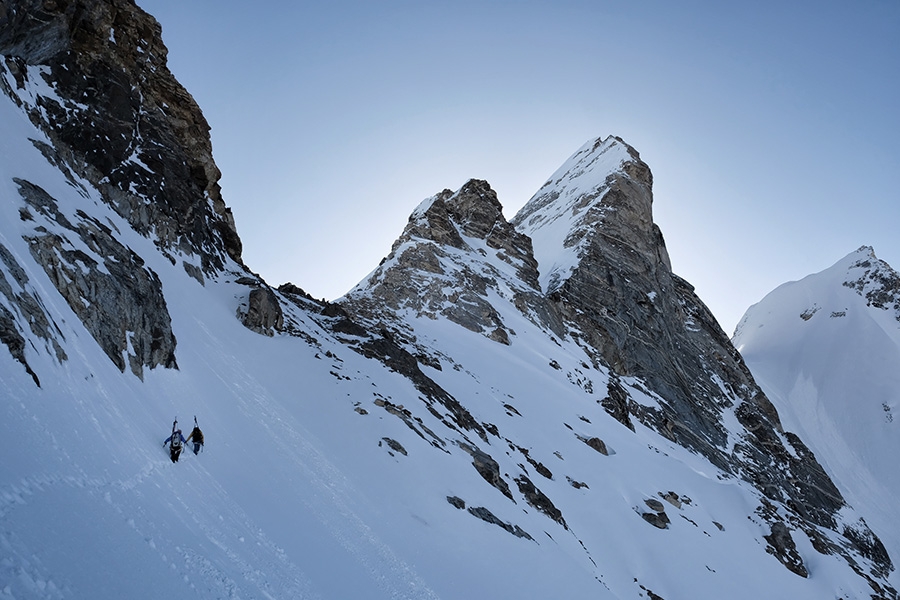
(771,128)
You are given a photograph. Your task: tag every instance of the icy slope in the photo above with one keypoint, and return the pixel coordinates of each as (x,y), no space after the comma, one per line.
(90,504)
(827,351)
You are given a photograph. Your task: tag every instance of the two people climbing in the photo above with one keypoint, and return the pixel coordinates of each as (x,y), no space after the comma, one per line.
(177,442)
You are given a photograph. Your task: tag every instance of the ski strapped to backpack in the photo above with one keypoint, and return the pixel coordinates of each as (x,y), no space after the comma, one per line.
(176,439)
(196,435)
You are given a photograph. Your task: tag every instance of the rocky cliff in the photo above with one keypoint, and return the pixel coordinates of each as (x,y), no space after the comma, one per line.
(456,251)
(621,301)
(92,77)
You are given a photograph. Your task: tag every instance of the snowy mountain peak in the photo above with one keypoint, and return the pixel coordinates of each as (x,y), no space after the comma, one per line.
(874,280)
(583,198)
(473,212)
(826,350)
(860,285)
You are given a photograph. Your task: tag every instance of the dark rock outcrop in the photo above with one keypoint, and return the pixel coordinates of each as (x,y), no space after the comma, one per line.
(616,402)
(539,500)
(264,314)
(782,546)
(106,284)
(14,342)
(489,469)
(488,517)
(24,308)
(119,119)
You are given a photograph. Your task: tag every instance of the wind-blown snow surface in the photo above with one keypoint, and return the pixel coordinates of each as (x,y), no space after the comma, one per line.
(299,493)
(826,350)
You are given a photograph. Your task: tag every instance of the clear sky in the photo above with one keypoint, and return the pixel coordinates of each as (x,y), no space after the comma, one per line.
(772,128)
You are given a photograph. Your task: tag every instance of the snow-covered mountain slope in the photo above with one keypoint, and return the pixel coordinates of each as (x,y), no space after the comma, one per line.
(694,391)
(827,351)
(452,429)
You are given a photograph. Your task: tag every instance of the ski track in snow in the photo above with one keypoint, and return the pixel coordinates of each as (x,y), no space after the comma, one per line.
(329,503)
(192,567)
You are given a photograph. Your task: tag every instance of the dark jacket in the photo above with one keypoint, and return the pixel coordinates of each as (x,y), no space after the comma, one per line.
(196,435)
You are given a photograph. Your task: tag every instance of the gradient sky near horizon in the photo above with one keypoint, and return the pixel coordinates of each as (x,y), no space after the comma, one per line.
(772,128)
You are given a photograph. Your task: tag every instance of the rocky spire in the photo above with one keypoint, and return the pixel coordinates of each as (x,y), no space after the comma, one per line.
(455,247)
(606,272)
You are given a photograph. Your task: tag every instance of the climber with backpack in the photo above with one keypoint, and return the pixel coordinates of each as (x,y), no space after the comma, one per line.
(196,437)
(175,441)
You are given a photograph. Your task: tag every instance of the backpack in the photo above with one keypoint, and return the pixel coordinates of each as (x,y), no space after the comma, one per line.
(176,439)
(197,435)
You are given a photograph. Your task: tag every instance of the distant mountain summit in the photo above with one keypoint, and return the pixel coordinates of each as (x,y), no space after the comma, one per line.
(827,351)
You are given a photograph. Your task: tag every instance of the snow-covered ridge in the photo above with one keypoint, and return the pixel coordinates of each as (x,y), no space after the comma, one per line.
(826,349)
(854,284)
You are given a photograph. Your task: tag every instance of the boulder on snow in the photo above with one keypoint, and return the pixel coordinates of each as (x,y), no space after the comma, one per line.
(782,546)
(597,444)
(264,314)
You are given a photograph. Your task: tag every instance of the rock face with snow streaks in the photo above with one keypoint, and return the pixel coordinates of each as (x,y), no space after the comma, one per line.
(606,271)
(456,251)
(106,285)
(92,77)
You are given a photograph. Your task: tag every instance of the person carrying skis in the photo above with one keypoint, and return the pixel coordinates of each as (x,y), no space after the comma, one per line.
(196,436)
(175,442)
